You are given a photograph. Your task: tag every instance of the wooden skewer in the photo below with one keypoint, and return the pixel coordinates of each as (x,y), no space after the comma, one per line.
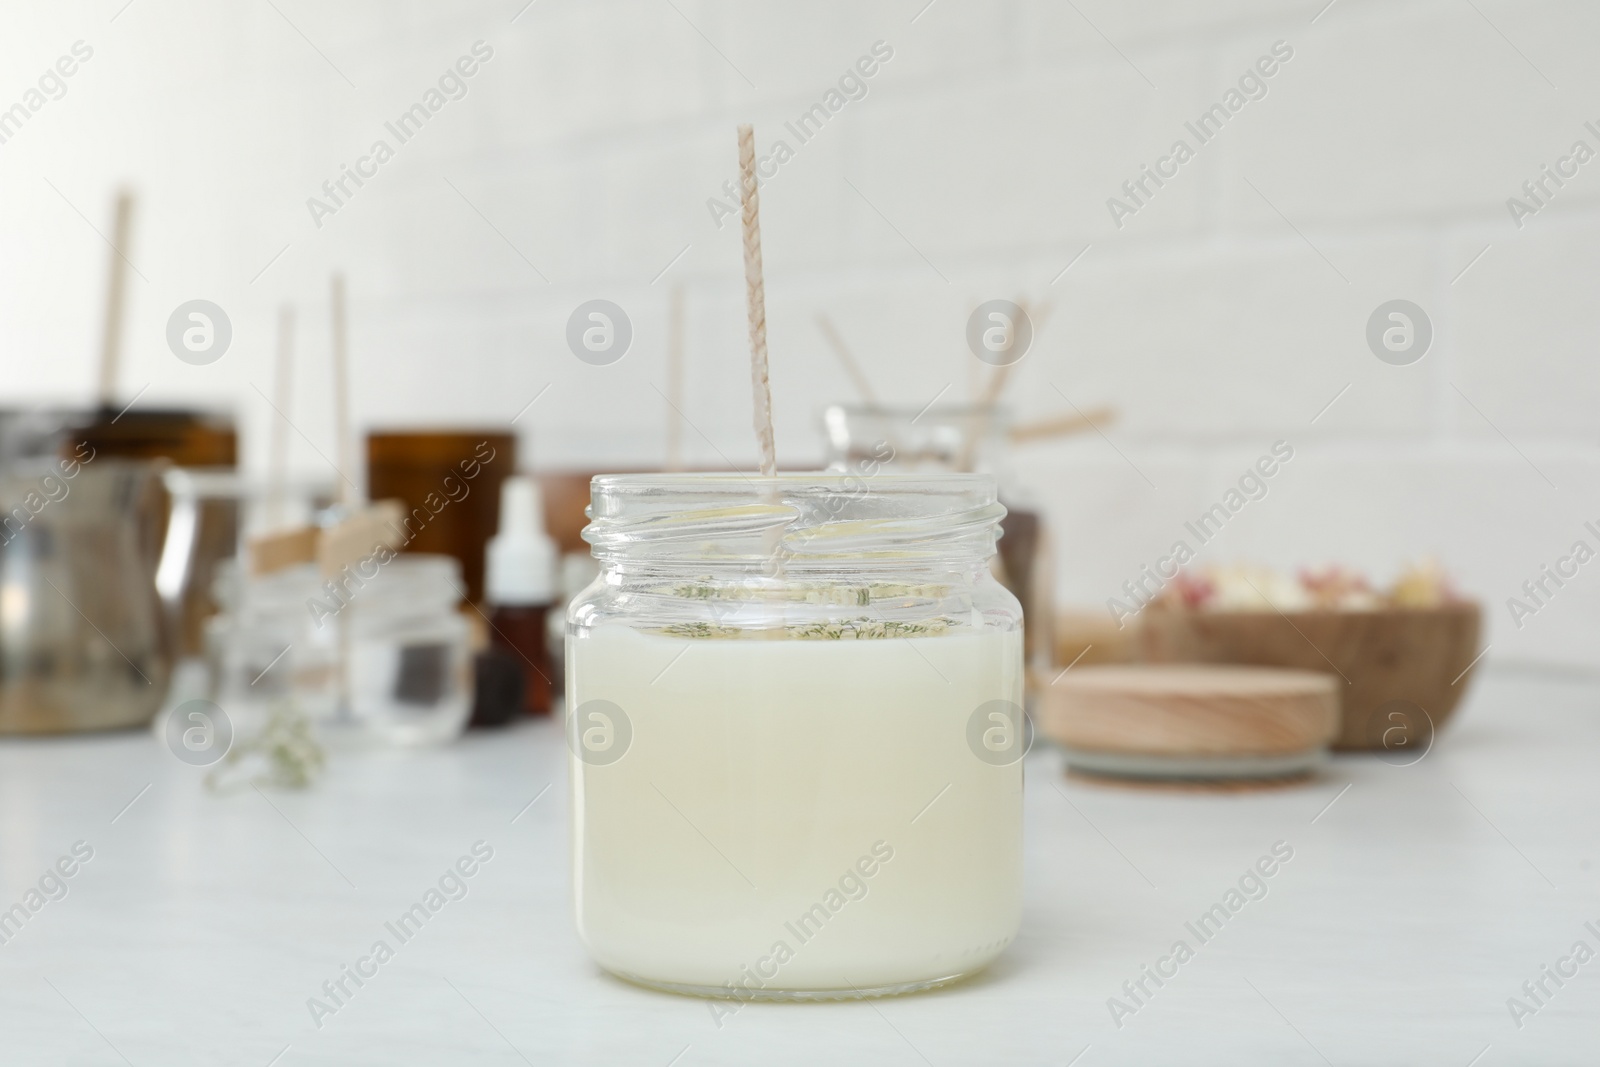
(848,360)
(996,385)
(1002,374)
(341,390)
(1061,425)
(974,366)
(116,284)
(990,399)
(283,391)
(347,492)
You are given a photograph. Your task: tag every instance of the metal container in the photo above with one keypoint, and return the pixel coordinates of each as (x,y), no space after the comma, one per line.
(84,641)
(206,497)
(202,530)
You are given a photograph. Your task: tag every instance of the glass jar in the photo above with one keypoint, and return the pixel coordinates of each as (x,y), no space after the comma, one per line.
(941,437)
(260,648)
(961,437)
(392,620)
(795,728)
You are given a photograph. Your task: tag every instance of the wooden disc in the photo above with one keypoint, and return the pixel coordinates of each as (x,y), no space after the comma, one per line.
(1190,710)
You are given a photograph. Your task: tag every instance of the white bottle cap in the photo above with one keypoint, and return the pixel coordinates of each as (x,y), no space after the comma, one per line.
(522,556)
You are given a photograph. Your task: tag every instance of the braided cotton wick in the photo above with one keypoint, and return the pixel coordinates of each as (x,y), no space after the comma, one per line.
(756,299)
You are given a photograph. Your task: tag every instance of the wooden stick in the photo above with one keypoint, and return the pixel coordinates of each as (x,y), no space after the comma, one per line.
(675,330)
(283,394)
(990,399)
(341,389)
(347,493)
(111,338)
(1002,374)
(848,360)
(756,300)
(1062,425)
(974,365)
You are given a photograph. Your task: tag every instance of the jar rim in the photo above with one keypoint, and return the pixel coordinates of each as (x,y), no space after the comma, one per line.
(809,519)
(999,413)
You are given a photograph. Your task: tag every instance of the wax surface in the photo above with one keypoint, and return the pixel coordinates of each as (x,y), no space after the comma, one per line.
(796,814)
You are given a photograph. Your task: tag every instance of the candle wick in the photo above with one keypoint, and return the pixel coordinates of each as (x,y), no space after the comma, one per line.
(755,300)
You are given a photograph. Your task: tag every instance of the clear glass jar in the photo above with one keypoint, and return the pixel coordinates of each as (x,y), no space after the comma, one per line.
(943,437)
(961,437)
(259,647)
(796,733)
(395,625)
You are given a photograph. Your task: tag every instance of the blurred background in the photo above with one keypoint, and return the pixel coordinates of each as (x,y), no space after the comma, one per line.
(585,156)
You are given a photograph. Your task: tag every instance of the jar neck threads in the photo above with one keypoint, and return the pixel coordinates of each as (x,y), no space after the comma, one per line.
(813,527)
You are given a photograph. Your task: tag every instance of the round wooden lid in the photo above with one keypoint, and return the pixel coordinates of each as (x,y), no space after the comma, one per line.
(1195,679)
(1191,709)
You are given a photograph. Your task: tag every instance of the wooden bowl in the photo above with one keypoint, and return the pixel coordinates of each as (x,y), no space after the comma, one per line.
(1086,636)
(1195,721)
(1384,659)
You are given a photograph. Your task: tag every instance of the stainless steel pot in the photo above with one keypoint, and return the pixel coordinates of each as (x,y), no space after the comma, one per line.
(84,641)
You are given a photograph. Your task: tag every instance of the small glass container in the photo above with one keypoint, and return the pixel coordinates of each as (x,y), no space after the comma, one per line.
(260,648)
(943,437)
(796,734)
(394,625)
(410,652)
(961,437)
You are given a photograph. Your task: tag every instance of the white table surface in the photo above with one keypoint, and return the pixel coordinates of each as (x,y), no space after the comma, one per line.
(1413,908)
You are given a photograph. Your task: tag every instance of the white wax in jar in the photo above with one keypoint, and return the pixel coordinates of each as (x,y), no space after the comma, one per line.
(796,815)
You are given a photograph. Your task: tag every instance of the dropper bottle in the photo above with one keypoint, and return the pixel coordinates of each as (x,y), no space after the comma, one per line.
(520,586)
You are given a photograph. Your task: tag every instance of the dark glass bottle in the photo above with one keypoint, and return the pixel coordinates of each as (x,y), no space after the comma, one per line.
(520,629)
(521,583)
(496,688)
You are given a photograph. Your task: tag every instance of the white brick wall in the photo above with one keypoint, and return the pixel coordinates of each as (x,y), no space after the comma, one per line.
(990,142)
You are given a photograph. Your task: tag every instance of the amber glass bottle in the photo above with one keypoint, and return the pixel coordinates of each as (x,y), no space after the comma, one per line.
(521,630)
(521,589)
